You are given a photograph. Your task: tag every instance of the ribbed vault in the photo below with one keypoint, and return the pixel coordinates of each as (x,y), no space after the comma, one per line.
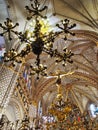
(81,86)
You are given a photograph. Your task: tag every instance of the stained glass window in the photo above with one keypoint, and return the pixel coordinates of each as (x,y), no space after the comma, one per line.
(93,110)
(27,78)
(2,48)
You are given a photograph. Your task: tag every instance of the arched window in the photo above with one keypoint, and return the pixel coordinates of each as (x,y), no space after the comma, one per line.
(27,77)
(2,48)
(93,110)
(40,108)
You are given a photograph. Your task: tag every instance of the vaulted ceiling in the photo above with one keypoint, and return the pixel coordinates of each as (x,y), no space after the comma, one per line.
(81,86)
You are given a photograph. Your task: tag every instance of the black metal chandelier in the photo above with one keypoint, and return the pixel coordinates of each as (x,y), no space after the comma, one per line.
(40,43)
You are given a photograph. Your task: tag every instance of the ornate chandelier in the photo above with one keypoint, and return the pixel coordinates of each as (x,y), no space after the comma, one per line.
(40,43)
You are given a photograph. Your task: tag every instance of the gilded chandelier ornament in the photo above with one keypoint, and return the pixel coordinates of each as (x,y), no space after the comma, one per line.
(67,115)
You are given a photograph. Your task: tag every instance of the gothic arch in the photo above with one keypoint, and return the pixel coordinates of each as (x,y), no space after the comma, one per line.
(14,110)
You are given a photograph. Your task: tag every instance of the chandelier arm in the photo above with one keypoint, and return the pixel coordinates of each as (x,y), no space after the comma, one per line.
(36,3)
(15,56)
(15,25)
(28,9)
(8,27)
(3,33)
(33,6)
(3,27)
(36,11)
(51,37)
(11,58)
(60,57)
(65,27)
(72,26)
(44,8)
(22,37)
(50,52)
